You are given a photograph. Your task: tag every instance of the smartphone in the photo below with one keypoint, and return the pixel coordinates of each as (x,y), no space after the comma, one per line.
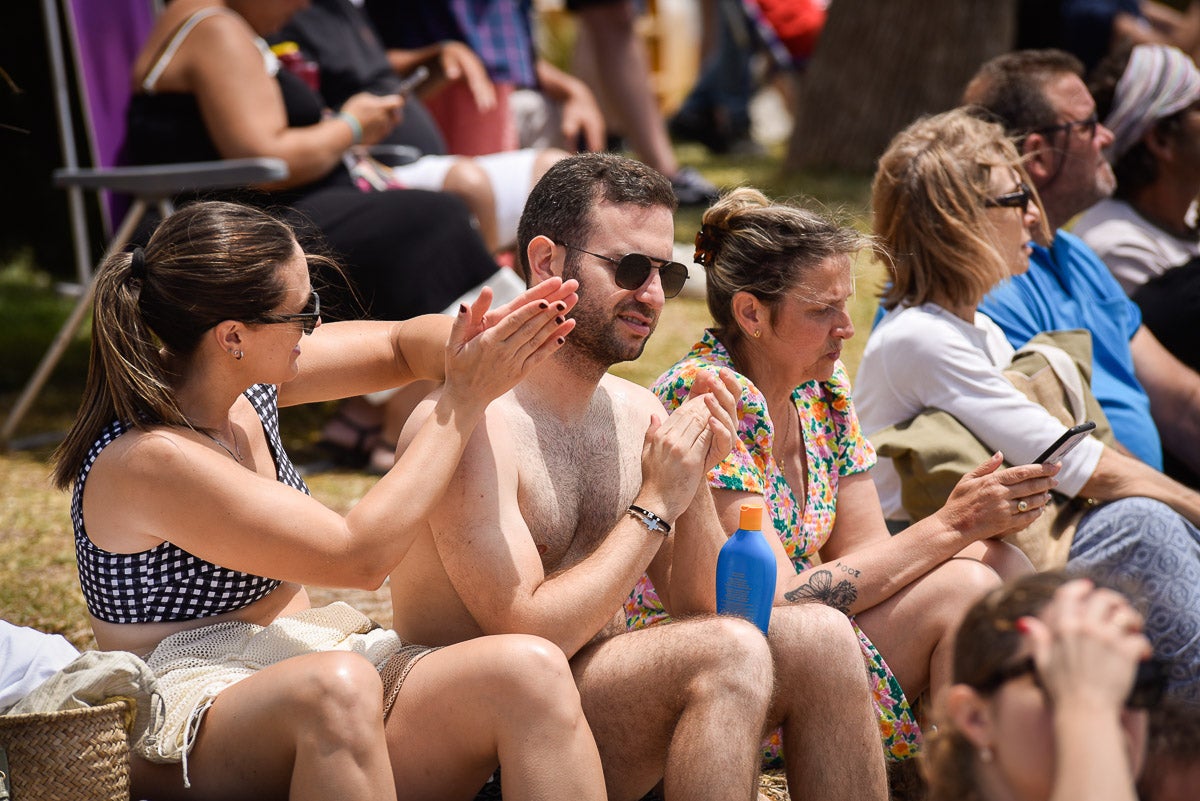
(1064,444)
(412,80)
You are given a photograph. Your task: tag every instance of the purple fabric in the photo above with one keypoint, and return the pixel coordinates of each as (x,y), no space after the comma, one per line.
(107,36)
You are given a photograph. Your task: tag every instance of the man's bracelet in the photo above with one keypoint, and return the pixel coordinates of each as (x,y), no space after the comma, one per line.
(651,521)
(356,131)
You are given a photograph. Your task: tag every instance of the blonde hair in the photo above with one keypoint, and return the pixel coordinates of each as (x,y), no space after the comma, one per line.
(928,199)
(749,244)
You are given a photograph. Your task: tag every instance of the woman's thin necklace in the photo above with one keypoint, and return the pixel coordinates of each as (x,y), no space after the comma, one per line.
(237,456)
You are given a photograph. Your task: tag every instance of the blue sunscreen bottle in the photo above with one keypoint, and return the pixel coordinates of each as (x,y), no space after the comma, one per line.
(746,571)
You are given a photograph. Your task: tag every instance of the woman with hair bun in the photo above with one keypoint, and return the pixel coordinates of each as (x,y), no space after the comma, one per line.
(195,534)
(779,278)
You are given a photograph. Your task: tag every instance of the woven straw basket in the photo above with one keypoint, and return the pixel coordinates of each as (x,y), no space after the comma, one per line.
(73,755)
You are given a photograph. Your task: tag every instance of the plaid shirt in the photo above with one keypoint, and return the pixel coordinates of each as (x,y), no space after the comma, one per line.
(499,31)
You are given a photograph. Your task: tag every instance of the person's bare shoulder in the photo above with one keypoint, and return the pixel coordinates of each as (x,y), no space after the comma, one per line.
(495,420)
(631,397)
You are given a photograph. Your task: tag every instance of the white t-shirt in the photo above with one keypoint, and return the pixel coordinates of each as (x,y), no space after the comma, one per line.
(1132,247)
(924,357)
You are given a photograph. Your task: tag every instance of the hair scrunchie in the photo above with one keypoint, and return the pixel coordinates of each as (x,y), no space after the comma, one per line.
(707,244)
(137,265)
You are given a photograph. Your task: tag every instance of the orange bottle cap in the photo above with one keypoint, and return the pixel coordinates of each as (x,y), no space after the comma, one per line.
(750,517)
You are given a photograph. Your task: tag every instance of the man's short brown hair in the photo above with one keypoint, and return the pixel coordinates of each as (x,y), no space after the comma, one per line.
(1011,88)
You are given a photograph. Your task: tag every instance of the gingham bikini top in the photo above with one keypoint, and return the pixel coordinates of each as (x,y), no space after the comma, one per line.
(166,582)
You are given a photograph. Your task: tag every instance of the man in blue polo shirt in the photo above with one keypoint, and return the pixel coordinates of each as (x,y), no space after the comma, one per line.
(1040,98)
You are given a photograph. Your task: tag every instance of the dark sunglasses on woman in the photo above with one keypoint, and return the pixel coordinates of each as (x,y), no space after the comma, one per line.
(307,318)
(1012,200)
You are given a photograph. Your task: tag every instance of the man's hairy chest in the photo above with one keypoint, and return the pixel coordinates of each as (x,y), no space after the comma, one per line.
(575,480)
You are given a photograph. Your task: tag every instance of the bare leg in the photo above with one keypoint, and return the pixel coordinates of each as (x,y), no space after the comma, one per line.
(467,180)
(353,430)
(683,702)
(506,700)
(623,74)
(546,158)
(310,727)
(1007,560)
(914,629)
(830,735)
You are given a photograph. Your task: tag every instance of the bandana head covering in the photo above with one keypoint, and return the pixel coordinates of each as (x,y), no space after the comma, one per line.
(1158,81)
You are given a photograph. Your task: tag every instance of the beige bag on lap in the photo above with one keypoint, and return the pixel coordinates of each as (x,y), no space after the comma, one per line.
(933,450)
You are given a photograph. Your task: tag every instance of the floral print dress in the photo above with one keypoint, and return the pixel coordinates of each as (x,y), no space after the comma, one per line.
(835,447)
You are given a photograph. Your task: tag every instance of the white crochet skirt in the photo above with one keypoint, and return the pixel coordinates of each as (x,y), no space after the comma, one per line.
(194,666)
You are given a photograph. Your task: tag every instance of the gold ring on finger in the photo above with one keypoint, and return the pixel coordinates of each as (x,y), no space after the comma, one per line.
(1022,505)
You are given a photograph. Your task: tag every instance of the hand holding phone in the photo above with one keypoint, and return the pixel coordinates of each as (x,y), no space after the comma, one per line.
(1064,444)
(411,81)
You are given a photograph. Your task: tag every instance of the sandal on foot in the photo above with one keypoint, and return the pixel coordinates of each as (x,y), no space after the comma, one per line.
(355,454)
(381,460)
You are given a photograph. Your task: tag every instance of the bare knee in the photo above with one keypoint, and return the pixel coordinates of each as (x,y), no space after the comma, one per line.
(813,637)
(531,675)
(544,160)
(470,182)
(339,678)
(1006,559)
(730,656)
(337,695)
(818,659)
(959,583)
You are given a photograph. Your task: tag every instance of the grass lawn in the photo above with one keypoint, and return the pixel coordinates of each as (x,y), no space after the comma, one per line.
(38,581)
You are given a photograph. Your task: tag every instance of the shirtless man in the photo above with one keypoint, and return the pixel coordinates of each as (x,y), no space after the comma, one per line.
(544,530)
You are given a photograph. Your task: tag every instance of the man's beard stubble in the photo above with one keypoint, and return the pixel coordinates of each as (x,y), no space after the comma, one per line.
(595,338)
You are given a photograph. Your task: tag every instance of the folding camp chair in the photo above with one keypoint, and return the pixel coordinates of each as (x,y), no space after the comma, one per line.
(103,39)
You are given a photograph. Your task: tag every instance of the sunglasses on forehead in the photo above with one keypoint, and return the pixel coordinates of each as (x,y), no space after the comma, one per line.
(1147,691)
(307,318)
(633,270)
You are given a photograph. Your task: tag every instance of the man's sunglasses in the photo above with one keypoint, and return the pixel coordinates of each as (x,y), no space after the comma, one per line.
(1013,200)
(307,318)
(1146,693)
(633,270)
(1088,126)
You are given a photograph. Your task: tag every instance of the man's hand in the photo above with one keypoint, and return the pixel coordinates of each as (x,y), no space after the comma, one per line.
(722,394)
(582,120)
(580,113)
(459,62)
(676,453)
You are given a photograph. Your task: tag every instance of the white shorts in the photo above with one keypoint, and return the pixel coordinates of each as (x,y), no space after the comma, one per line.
(510,174)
